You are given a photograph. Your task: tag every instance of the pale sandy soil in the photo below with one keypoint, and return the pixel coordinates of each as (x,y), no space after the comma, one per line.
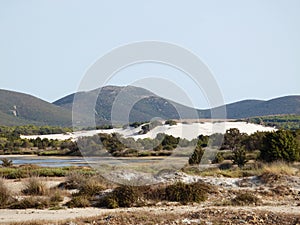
(7,216)
(284,203)
(16,186)
(188,131)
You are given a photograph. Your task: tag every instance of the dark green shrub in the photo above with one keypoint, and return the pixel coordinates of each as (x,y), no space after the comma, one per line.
(6,162)
(239,157)
(245,199)
(280,145)
(225,166)
(126,195)
(171,122)
(90,187)
(218,158)
(31,202)
(185,193)
(196,157)
(109,201)
(123,196)
(79,201)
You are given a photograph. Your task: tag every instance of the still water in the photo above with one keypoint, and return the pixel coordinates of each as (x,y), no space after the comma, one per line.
(52,161)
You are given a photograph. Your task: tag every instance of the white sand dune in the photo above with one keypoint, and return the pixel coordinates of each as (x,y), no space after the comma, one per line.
(188,131)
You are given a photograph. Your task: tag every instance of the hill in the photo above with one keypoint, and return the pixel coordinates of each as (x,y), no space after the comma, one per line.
(20,109)
(146,105)
(253,108)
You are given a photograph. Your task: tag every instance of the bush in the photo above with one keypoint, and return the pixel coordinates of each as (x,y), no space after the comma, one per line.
(90,187)
(280,145)
(6,162)
(196,157)
(34,187)
(31,202)
(245,199)
(126,195)
(171,122)
(79,201)
(239,157)
(123,196)
(218,159)
(185,193)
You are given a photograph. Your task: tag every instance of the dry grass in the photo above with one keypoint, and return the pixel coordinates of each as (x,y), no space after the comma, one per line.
(279,168)
(32,202)
(34,186)
(5,194)
(90,187)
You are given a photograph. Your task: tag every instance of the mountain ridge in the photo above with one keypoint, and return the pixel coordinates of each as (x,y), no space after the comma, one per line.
(20,109)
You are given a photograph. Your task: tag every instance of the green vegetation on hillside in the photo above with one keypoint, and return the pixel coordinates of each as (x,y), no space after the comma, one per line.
(21,109)
(291,122)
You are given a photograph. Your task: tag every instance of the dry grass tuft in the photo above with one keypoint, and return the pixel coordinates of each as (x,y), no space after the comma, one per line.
(279,168)
(5,194)
(34,186)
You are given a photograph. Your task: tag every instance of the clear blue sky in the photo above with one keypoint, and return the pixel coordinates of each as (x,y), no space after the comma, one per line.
(251,46)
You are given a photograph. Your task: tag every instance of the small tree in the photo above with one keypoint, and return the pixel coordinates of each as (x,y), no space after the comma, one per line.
(196,157)
(280,145)
(6,162)
(239,157)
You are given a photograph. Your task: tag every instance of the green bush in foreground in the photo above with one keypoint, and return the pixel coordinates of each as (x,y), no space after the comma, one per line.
(31,202)
(79,201)
(245,199)
(280,145)
(185,193)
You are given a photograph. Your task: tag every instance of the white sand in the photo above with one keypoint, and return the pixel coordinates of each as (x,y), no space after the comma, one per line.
(188,131)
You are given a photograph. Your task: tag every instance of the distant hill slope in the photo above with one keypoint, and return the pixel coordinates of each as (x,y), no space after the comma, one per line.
(152,105)
(251,108)
(20,109)
(147,106)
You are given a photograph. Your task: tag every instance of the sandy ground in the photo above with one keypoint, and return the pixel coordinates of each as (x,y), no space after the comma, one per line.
(188,131)
(7,216)
(285,203)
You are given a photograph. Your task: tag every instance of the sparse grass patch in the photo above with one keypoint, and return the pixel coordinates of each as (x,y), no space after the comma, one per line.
(73,180)
(56,196)
(279,168)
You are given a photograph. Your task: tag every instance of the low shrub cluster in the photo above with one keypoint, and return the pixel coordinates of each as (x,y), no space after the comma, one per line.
(31,202)
(245,198)
(129,196)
